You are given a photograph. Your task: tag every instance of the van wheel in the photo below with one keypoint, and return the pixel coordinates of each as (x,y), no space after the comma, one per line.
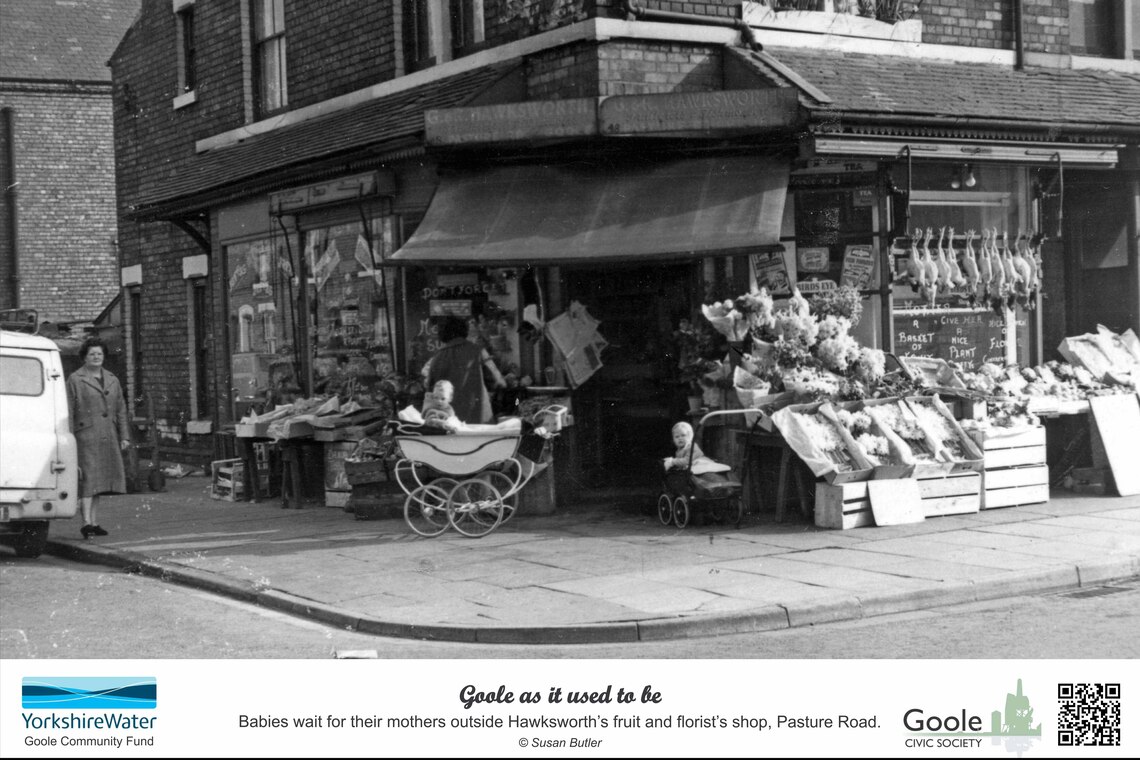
(33,539)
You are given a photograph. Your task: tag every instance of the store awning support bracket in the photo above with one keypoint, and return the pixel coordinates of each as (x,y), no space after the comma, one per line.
(195,234)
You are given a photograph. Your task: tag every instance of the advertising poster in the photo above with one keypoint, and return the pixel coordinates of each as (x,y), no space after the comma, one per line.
(813,259)
(858,266)
(771,272)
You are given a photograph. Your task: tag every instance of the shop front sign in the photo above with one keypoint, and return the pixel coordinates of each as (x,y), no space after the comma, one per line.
(681,112)
(512,122)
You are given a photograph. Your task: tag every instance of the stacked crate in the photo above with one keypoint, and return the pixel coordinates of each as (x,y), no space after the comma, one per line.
(1016,471)
(226,480)
(848,505)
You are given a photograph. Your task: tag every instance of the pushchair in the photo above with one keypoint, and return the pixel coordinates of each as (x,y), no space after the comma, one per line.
(719,495)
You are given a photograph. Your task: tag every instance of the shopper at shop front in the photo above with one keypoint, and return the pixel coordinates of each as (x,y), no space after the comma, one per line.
(99,422)
(463,363)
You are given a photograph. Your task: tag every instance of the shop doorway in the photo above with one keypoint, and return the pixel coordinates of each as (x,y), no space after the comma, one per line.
(626,410)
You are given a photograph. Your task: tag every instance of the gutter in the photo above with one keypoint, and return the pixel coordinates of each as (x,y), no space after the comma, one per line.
(1124,130)
(640,12)
(11,194)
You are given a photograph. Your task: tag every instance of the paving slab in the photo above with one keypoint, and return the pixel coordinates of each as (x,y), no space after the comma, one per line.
(606,574)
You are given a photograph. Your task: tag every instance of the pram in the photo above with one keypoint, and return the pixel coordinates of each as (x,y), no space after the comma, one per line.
(683,493)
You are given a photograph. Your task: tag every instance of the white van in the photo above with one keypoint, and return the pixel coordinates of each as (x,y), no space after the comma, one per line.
(39,464)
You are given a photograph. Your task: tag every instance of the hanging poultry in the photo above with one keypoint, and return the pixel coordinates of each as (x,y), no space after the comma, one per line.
(944,282)
(915,271)
(1019,292)
(970,267)
(985,268)
(999,289)
(930,290)
(957,280)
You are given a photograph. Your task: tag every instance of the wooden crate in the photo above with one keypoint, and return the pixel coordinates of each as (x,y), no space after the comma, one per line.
(226,482)
(1015,471)
(848,505)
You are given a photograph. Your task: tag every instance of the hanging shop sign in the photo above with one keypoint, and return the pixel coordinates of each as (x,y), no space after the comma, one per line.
(333,191)
(512,122)
(858,265)
(771,272)
(680,112)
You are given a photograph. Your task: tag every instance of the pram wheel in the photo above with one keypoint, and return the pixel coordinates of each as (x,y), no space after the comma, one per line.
(665,509)
(474,507)
(681,511)
(425,510)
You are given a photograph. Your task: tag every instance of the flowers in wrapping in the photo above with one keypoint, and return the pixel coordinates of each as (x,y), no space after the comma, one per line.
(726,319)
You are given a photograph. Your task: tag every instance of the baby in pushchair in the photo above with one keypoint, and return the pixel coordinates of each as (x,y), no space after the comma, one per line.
(694,480)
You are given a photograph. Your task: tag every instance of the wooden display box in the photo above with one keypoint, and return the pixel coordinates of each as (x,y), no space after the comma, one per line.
(1016,471)
(848,505)
(226,480)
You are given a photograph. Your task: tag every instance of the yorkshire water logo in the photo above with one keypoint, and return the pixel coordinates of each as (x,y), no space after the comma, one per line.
(1013,726)
(89,693)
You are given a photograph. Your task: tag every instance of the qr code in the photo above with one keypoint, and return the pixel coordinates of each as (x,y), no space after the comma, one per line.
(1088,714)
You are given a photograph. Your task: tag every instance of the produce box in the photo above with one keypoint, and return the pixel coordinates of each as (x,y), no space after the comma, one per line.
(251,429)
(226,480)
(928,463)
(376,501)
(368,471)
(1015,471)
(940,422)
(337,498)
(884,466)
(825,446)
(848,505)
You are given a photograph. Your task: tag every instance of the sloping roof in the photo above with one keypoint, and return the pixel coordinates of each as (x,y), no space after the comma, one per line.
(370,124)
(62,39)
(862,83)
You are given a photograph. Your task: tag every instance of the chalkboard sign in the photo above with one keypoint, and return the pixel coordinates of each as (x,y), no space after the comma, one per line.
(967,336)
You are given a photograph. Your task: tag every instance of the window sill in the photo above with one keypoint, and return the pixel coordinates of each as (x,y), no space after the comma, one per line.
(827,22)
(185,99)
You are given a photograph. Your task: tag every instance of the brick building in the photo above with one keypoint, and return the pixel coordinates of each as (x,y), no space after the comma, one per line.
(58,239)
(302,187)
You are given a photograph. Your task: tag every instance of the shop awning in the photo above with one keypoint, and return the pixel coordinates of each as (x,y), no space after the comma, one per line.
(547,214)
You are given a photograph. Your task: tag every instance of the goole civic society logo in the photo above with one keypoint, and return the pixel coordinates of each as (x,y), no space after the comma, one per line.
(961,729)
(88,711)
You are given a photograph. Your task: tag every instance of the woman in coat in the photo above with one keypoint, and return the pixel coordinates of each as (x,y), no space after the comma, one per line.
(462,362)
(99,422)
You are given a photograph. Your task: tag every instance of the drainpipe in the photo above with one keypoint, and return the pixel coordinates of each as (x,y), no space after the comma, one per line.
(11,193)
(641,12)
(1018,35)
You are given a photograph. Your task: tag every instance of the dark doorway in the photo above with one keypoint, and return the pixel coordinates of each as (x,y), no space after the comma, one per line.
(629,406)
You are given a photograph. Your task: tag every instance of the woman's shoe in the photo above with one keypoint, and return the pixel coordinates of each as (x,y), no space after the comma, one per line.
(87,531)
(98,531)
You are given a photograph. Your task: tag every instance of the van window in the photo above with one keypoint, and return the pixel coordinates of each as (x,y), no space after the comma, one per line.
(21,376)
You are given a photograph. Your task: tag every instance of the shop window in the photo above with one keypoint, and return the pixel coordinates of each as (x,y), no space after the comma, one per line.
(270,61)
(262,299)
(1104,28)
(350,298)
(187,50)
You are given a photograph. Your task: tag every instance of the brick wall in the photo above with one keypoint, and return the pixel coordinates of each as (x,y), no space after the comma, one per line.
(989,24)
(66,202)
(634,68)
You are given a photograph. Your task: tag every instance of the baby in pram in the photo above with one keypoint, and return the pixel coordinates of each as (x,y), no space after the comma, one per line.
(706,472)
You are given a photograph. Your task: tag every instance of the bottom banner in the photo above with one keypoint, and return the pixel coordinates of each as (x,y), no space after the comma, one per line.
(561,708)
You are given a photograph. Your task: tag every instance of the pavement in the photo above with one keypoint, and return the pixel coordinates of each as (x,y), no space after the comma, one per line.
(610,573)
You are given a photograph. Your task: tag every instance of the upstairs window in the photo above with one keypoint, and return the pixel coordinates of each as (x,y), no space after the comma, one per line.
(435,31)
(187,63)
(466,26)
(1105,28)
(269,46)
